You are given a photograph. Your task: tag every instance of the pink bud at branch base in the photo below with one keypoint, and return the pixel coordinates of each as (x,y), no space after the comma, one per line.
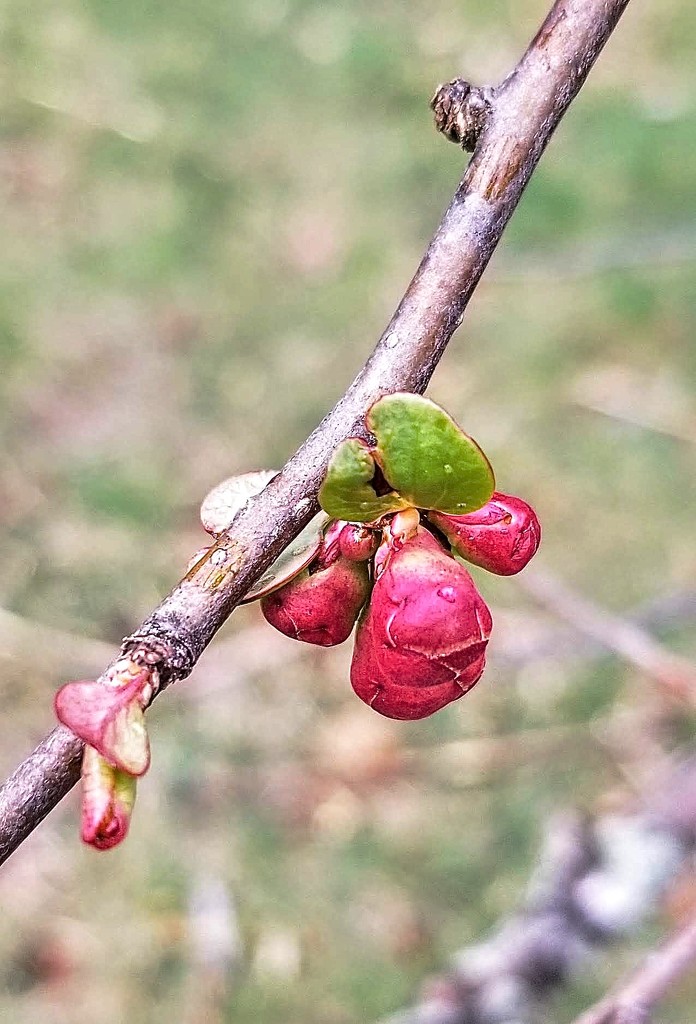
(320,607)
(108,715)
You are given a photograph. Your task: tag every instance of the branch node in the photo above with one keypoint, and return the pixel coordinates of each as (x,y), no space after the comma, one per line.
(461,111)
(166,659)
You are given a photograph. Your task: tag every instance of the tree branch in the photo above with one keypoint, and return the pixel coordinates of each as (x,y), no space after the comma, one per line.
(521,119)
(629,640)
(667,611)
(633,1001)
(595,881)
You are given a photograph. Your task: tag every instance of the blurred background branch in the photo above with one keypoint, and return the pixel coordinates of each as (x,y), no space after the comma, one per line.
(629,640)
(595,882)
(633,1001)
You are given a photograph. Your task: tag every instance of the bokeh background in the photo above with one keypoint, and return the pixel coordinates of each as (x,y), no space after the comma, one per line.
(208,213)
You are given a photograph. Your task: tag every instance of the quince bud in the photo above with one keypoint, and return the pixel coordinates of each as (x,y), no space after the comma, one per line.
(108,795)
(321,605)
(357,542)
(501,537)
(108,715)
(422,639)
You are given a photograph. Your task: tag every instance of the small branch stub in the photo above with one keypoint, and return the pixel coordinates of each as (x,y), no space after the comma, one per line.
(461,111)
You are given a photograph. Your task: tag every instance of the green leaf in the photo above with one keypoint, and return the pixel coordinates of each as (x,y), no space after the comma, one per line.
(427,457)
(347,492)
(290,563)
(125,740)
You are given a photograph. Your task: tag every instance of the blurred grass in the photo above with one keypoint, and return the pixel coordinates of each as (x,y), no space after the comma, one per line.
(208,214)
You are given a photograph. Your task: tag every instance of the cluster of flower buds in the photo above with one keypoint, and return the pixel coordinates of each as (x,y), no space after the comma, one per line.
(397,516)
(422,635)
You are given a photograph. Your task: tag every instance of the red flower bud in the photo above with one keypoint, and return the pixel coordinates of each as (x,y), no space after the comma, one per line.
(108,795)
(320,606)
(421,642)
(357,542)
(501,537)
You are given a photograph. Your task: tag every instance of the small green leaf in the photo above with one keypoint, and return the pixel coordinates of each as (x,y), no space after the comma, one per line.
(427,457)
(290,563)
(347,492)
(126,742)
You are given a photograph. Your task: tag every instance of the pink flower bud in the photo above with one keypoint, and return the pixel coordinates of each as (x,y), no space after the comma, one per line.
(108,795)
(330,547)
(421,642)
(320,606)
(109,716)
(501,537)
(357,542)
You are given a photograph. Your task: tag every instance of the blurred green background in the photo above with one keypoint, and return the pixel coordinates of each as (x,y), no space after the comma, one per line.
(208,213)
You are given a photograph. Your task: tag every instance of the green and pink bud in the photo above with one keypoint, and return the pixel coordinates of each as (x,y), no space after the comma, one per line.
(421,642)
(501,537)
(108,715)
(108,796)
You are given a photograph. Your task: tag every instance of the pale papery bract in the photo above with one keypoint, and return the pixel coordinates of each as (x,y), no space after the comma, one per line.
(422,639)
